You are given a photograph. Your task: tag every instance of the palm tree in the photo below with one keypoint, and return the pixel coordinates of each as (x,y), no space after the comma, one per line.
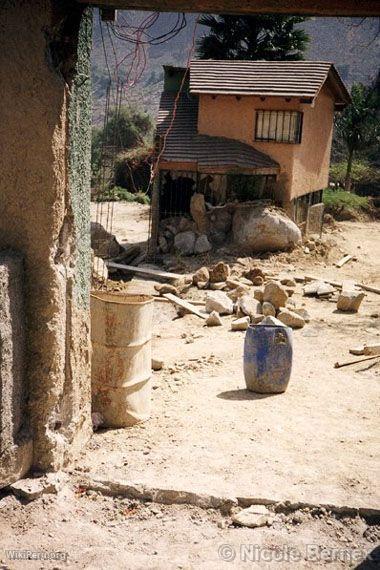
(272,38)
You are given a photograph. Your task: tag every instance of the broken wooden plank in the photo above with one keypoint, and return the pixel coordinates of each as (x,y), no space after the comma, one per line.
(145,271)
(185,305)
(163,300)
(345,259)
(350,362)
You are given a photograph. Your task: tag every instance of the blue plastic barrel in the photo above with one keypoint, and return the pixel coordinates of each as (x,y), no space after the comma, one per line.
(268,356)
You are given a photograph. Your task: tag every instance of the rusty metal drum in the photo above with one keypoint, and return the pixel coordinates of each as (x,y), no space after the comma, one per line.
(121,334)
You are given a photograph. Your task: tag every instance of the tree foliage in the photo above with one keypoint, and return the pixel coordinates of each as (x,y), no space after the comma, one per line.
(261,37)
(358,126)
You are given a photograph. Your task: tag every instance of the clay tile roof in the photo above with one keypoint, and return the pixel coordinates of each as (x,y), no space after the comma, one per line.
(266,78)
(184,144)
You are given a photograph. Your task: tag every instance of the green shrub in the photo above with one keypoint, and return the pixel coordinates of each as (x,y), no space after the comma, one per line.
(345,205)
(119,194)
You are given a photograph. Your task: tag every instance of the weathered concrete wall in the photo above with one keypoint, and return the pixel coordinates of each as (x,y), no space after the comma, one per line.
(305,166)
(15,440)
(44,161)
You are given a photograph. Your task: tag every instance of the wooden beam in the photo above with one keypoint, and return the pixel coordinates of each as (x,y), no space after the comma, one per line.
(301,7)
(145,271)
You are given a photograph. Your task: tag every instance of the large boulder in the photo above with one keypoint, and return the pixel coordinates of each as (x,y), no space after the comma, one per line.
(202,245)
(264,228)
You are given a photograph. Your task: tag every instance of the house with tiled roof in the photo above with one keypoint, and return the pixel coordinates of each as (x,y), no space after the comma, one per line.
(247,130)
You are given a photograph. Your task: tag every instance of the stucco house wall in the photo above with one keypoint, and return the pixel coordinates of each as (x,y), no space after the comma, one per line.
(45,133)
(304,166)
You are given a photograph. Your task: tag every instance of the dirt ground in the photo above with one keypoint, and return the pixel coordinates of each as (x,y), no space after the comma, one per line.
(316,443)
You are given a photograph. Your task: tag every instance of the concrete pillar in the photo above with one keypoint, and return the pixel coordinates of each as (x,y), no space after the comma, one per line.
(45,138)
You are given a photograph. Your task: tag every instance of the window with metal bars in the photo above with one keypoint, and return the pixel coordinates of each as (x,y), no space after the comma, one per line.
(278,126)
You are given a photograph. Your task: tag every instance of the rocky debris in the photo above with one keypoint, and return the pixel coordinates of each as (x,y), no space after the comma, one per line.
(290,291)
(349,300)
(318,289)
(370,349)
(214,320)
(254,516)
(166,288)
(238,292)
(99,268)
(163,244)
(259,227)
(104,243)
(220,302)
(257,319)
(240,324)
(288,282)
(291,319)
(184,242)
(254,272)
(220,272)
(218,286)
(259,295)
(186,225)
(234,283)
(258,280)
(271,321)
(198,212)
(249,306)
(303,313)
(33,488)
(202,245)
(202,284)
(201,275)
(157,364)
(276,294)
(268,309)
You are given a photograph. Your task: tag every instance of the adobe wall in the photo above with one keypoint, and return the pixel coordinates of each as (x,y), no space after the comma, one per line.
(45,197)
(304,167)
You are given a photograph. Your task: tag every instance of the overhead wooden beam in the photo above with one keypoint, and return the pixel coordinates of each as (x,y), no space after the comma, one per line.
(301,7)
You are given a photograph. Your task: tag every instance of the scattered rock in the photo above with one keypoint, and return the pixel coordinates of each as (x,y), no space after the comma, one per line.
(198,212)
(303,313)
(163,244)
(276,294)
(202,274)
(166,288)
(220,272)
(245,281)
(157,364)
(218,286)
(291,319)
(186,225)
(271,321)
(202,284)
(318,289)
(249,306)
(259,295)
(31,489)
(202,245)
(184,242)
(349,301)
(233,283)
(254,516)
(240,324)
(214,320)
(288,282)
(258,280)
(257,319)
(299,517)
(220,302)
(240,291)
(268,309)
(262,228)
(370,349)
(253,273)
(325,290)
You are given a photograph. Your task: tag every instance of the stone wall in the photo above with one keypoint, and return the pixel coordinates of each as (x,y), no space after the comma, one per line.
(44,202)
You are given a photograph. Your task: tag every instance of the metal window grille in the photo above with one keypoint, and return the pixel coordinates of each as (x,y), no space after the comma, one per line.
(278,126)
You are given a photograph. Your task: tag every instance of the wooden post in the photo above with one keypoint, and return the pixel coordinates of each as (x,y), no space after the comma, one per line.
(155,218)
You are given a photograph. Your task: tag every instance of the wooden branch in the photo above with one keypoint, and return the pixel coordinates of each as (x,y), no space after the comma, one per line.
(185,305)
(350,362)
(145,271)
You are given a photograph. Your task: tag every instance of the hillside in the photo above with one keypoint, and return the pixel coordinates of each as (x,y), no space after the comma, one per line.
(352,44)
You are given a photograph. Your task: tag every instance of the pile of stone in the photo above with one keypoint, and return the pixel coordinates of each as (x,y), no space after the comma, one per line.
(230,296)
(349,298)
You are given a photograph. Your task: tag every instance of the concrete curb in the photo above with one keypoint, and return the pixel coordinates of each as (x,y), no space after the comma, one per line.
(205,501)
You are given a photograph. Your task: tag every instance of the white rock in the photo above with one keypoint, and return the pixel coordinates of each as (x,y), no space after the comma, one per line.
(268,309)
(99,268)
(254,516)
(303,313)
(349,301)
(220,302)
(370,349)
(291,319)
(249,306)
(157,364)
(259,228)
(214,320)
(240,324)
